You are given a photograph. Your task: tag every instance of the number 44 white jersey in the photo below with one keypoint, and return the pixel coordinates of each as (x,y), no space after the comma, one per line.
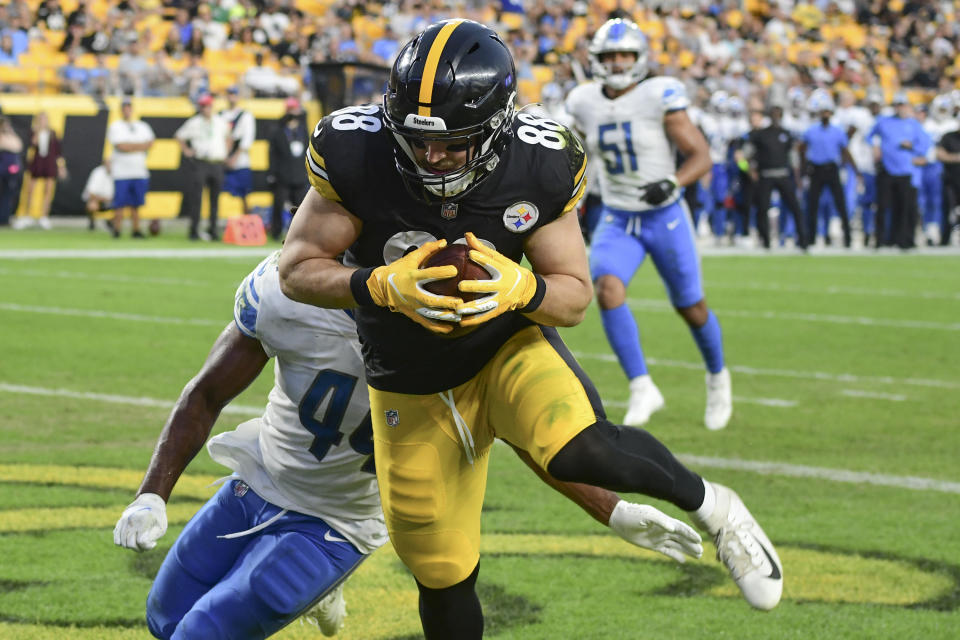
(627,133)
(312,450)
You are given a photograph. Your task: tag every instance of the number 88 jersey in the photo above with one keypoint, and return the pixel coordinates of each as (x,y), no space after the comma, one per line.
(539,176)
(627,133)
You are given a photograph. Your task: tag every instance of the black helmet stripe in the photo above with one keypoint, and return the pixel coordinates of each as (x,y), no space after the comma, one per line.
(430,66)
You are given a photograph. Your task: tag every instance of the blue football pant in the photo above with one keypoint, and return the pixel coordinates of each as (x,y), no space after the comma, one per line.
(931,194)
(211,588)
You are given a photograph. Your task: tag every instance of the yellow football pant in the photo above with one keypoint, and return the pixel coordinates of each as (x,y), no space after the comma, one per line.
(432,450)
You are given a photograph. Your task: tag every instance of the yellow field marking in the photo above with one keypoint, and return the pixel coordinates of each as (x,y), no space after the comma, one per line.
(189,486)
(818,576)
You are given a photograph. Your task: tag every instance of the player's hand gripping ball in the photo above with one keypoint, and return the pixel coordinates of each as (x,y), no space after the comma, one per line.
(457,255)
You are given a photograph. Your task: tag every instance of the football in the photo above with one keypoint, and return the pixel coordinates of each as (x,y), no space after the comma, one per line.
(459,256)
(154,227)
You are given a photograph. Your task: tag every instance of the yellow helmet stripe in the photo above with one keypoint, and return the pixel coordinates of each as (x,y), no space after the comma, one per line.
(430,67)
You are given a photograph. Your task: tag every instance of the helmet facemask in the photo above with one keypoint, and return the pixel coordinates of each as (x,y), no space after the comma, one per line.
(618,36)
(483,144)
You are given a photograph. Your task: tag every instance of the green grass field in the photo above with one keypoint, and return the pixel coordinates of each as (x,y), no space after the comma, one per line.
(844,443)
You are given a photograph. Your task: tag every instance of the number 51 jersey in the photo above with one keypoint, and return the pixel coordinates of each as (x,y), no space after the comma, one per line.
(540,176)
(312,450)
(628,134)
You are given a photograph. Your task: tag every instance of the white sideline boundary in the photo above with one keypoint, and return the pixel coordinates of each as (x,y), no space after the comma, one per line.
(848,378)
(821,473)
(114,254)
(735,464)
(779,403)
(663,306)
(137,401)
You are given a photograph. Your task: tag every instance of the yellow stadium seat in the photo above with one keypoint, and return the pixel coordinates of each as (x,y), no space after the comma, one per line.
(542,73)
(512,21)
(529,91)
(221,80)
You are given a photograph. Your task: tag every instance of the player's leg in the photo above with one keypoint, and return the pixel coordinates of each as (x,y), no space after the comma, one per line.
(616,254)
(432,472)
(764,189)
(788,198)
(197,560)
(932,213)
(840,205)
(719,187)
(668,237)
(121,200)
(544,403)
(868,203)
(215,186)
(280,573)
(813,204)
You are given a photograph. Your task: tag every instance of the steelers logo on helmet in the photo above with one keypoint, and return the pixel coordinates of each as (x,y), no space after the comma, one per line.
(451,88)
(520,216)
(618,35)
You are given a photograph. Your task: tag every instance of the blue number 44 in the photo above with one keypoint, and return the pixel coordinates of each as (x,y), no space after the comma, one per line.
(615,165)
(326,429)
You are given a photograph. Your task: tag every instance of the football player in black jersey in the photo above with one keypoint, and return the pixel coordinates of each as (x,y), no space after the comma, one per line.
(447,159)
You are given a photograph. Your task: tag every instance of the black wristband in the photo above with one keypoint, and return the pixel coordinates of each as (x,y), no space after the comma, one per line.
(358,287)
(537,298)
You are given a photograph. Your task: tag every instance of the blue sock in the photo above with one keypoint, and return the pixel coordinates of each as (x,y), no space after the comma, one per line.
(624,337)
(709,339)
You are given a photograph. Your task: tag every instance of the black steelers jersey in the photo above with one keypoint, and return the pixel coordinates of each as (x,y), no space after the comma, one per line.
(540,177)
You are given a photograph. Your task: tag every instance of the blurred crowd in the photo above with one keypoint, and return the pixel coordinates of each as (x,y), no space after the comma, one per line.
(185,47)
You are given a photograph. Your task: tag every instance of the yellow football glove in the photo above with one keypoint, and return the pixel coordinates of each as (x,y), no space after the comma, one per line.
(510,287)
(398,286)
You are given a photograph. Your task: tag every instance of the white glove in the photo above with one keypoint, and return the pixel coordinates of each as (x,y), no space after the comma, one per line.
(142,523)
(650,528)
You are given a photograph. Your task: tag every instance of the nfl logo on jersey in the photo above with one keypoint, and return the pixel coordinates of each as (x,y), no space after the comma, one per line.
(393,417)
(448,211)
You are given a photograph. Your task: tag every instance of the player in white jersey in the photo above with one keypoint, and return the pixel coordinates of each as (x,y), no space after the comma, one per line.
(637,124)
(856,121)
(302,509)
(714,124)
(939,121)
(796,120)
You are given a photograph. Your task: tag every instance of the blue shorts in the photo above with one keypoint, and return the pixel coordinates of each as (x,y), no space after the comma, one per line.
(238,182)
(130,193)
(623,239)
(250,586)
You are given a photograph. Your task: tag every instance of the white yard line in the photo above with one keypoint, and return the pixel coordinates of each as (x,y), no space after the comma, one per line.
(843,291)
(662,306)
(873,395)
(111,254)
(766,402)
(735,464)
(110,315)
(821,473)
(115,399)
(102,277)
(786,373)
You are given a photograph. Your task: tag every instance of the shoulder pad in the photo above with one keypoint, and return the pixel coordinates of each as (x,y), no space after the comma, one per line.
(335,141)
(564,162)
(246,305)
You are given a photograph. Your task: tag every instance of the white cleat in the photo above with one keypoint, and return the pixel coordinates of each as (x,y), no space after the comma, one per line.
(44,223)
(328,614)
(744,549)
(719,400)
(22,222)
(645,399)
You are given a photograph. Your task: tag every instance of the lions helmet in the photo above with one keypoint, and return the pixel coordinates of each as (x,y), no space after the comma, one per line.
(941,107)
(453,83)
(619,35)
(719,102)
